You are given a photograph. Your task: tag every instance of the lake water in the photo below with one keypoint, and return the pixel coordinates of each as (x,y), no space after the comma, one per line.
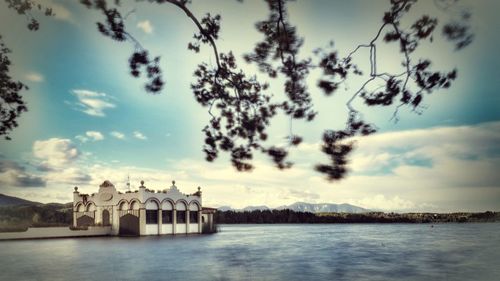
(268,252)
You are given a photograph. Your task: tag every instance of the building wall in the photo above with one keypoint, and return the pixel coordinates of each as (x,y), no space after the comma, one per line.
(180,228)
(167,229)
(193,228)
(118,204)
(56,232)
(151,229)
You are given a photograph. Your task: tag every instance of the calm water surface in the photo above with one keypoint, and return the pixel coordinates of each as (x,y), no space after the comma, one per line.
(268,252)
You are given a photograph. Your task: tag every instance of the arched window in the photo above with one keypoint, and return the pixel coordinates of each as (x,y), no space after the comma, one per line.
(91,207)
(193,212)
(105,217)
(134,205)
(181,212)
(151,212)
(166,213)
(123,206)
(80,208)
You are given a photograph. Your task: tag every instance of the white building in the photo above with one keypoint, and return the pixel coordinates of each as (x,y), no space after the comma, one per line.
(142,212)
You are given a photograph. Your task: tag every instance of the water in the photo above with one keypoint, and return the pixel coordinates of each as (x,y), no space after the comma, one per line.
(268,252)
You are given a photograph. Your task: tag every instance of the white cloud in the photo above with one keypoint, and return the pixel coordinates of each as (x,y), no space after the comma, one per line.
(462,175)
(81,138)
(92,103)
(117,135)
(55,152)
(71,176)
(60,12)
(140,135)
(94,135)
(34,77)
(380,202)
(145,26)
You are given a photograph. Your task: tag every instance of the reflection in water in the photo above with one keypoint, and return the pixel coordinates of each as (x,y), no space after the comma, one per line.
(267,252)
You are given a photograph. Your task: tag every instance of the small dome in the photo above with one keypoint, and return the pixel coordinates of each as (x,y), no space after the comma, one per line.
(106,183)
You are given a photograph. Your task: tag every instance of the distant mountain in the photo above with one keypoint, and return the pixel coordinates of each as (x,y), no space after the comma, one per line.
(304,207)
(6,200)
(225,208)
(254,208)
(323,208)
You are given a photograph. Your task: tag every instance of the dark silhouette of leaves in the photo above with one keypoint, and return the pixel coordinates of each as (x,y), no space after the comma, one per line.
(114,27)
(239,106)
(12,104)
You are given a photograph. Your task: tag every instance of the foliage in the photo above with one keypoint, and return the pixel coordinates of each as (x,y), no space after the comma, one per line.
(35,215)
(11,102)
(240,107)
(289,216)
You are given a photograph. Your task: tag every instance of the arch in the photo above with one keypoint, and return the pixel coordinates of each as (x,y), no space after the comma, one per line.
(152,204)
(134,204)
(84,221)
(181,205)
(105,217)
(90,206)
(129,225)
(167,204)
(194,206)
(123,205)
(79,207)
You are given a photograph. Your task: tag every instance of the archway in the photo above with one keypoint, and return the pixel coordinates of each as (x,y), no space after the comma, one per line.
(105,217)
(129,225)
(84,221)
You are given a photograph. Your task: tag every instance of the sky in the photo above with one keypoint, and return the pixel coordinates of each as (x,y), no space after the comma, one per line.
(89,120)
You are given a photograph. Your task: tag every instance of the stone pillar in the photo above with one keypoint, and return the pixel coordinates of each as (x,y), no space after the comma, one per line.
(160,221)
(113,220)
(187,220)
(98,215)
(199,222)
(174,221)
(211,222)
(76,198)
(142,221)
(74,217)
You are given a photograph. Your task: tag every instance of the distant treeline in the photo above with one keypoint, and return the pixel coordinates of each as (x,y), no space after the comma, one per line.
(21,217)
(14,218)
(289,216)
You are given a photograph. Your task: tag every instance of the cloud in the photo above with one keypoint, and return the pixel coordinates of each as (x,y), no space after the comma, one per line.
(13,174)
(60,12)
(117,135)
(34,77)
(381,203)
(145,26)
(438,169)
(140,135)
(81,138)
(55,152)
(92,103)
(69,176)
(94,135)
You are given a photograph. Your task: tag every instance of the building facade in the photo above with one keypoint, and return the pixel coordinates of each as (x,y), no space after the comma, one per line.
(142,212)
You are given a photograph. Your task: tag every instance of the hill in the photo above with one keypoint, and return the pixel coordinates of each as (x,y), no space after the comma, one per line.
(18,214)
(6,200)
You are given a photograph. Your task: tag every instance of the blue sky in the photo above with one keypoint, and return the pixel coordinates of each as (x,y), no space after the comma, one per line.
(89,120)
